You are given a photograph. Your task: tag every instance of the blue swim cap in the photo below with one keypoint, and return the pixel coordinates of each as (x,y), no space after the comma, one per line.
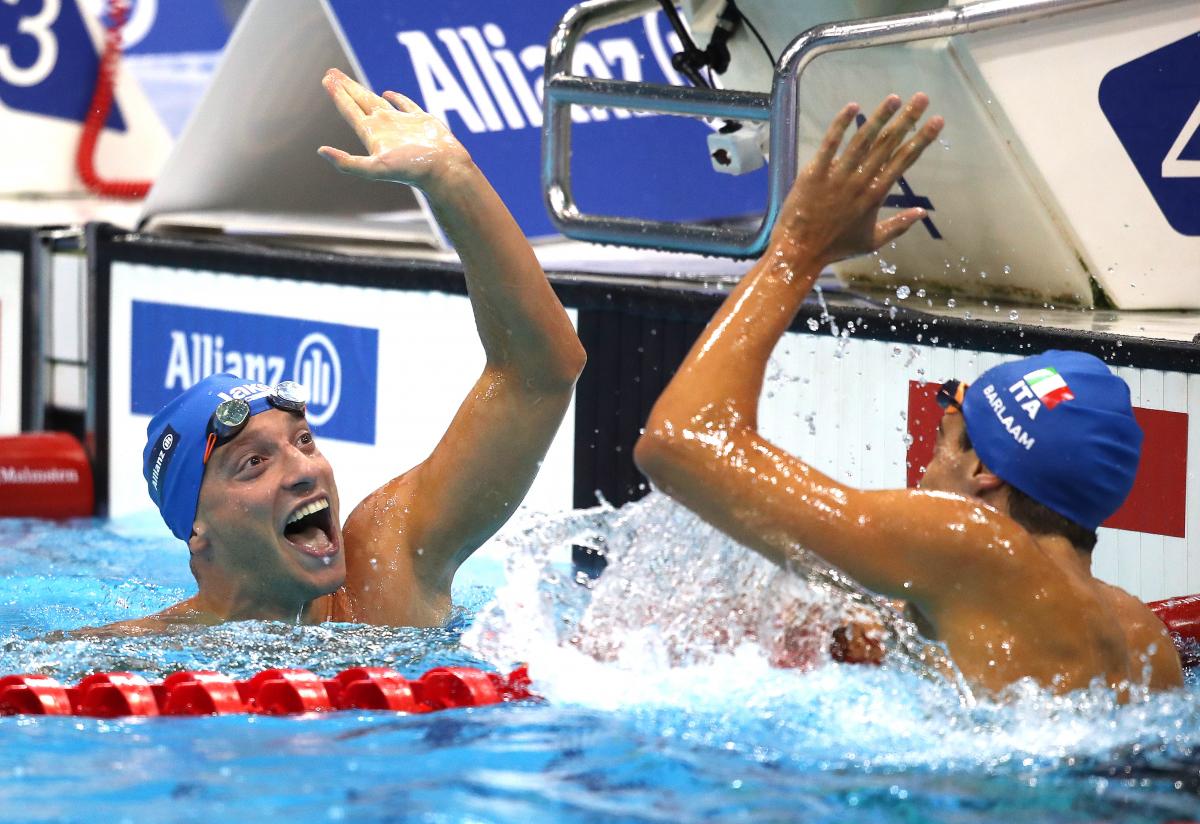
(173,460)
(1059,427)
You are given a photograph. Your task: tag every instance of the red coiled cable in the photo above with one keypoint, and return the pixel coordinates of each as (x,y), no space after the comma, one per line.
(102,98)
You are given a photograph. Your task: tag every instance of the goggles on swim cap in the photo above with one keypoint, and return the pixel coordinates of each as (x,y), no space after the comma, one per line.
(950,395)
(230,416)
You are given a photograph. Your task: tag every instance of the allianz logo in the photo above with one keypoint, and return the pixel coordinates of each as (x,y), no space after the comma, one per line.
(494,87)
(316,364)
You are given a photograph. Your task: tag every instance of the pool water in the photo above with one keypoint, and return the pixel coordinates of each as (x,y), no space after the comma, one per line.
(661,701)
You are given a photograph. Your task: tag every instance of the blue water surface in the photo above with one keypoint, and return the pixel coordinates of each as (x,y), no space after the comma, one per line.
(722,736)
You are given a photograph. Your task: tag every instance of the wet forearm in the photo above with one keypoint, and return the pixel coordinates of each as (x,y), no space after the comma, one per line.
(728,361)
(521,322)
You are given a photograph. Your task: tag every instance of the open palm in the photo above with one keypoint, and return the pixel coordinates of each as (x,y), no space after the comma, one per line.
(833,207)
(404,143)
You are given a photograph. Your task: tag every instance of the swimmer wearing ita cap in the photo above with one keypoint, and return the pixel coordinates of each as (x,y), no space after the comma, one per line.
(1059,427)
(235,468)
(992,554)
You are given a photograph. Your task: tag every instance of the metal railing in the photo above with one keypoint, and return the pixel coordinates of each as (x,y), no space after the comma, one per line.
(780,108)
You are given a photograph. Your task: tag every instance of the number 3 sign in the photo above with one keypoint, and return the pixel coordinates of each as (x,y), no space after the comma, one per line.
(48,61)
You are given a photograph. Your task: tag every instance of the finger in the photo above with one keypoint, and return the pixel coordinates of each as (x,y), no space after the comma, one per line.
(909,152)
(893,227)
(895,132)
(864,138)
(367,100)
(834,136)
(349,110)
(401,102)
(345,162)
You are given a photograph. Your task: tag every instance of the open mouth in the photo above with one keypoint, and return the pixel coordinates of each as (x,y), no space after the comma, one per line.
(310,529)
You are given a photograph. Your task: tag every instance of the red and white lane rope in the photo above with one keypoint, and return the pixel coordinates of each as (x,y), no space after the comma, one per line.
(271,692)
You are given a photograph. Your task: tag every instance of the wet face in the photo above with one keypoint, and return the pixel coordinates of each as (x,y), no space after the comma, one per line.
(268,518)
(953,467)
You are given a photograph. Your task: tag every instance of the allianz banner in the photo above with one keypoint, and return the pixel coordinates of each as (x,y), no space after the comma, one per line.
(478,66)
(173,347)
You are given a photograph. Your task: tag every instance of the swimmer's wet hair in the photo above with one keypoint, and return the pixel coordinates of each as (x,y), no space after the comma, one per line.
(1040,519)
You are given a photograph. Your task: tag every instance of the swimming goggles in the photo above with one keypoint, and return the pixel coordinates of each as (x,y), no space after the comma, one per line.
(231,415)
(950,395)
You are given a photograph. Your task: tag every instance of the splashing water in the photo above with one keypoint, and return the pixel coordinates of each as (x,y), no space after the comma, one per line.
(683,618)
(676,593)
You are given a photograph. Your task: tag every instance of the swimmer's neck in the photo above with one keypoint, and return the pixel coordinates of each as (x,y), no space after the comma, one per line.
(1065,554)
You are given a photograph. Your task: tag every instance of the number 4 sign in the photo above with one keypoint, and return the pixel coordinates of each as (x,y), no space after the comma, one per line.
(1174,164)
(1153,105)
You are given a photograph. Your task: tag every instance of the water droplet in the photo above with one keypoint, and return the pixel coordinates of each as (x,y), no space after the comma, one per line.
(813,324)
(1014,315)
(902,292)
(951,303)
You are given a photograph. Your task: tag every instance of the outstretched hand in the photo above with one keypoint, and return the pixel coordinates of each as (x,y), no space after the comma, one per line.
(832,210)
(404,143)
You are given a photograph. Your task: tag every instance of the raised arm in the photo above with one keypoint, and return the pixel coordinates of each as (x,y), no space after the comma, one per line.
(702,444)
(423,524)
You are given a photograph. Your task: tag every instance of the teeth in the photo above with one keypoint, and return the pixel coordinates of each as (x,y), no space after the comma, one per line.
(305,511)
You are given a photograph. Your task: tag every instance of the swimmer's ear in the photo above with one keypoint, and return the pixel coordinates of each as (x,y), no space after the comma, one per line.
(984,480)
(198,542)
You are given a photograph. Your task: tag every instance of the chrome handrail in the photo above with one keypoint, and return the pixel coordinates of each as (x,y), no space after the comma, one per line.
(781,108)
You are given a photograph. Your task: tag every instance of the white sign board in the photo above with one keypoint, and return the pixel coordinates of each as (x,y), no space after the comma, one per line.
(11,340)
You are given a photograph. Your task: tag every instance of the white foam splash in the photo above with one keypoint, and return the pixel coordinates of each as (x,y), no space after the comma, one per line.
(684,619)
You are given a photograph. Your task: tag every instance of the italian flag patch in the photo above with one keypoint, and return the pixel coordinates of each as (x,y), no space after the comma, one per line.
(1049,386)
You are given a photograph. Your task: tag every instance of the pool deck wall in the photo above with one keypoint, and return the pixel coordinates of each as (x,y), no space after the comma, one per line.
(847,391)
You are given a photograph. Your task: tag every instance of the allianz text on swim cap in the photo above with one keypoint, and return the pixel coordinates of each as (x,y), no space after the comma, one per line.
(173,460)
(1058,426)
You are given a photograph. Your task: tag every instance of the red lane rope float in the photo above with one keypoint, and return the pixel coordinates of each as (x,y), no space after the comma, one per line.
(102,99)
(1182,617)
(271,692)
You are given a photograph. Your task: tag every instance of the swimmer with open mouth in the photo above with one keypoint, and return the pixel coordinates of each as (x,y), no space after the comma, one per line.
(235,470)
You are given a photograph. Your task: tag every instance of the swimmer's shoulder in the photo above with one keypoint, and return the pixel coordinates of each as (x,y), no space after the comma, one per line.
(185,613)
(382,510)
(1147,637)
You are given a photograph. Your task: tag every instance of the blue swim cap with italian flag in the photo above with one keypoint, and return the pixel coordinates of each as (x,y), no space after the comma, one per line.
(173,460)
(1058,426)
